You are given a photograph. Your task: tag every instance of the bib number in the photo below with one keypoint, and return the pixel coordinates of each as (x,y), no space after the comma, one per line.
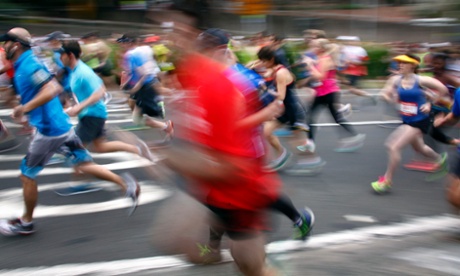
(408,109)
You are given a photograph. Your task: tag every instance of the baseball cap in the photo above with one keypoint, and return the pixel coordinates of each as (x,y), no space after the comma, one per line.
(213,38)
(56,36)
(23,38)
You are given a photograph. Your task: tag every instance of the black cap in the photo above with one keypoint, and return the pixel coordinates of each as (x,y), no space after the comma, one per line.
(27,41)
(212,38)
(57,35)
(127,38)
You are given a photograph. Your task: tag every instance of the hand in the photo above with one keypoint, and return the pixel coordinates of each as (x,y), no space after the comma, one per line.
(73,111)
(18,112)
(425,108)
(438,120)
(274,110)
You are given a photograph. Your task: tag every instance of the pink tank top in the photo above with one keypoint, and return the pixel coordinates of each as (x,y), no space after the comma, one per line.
(329,84)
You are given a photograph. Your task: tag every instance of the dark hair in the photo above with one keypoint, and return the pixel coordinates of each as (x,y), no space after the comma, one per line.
(417,58)
(279,38)
(71,47)
(441,56)
(267,53)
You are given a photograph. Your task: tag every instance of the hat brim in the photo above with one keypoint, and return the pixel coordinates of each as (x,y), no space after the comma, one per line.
(406,59)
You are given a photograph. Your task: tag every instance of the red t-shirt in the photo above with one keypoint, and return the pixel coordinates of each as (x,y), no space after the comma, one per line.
(218,106)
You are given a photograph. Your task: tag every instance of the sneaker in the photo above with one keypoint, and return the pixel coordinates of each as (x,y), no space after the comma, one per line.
(209,255)
(351,144)
(382,185)
(302,168)
(279,162)
(133,190)
(308,147)
(345,110)
(15,227)
(308,221)
(169,130)
(301,126)
(443,162)
(144,150)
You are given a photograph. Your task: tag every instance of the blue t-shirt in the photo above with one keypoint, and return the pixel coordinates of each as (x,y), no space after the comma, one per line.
(30,76)
(83,83)
(137,61)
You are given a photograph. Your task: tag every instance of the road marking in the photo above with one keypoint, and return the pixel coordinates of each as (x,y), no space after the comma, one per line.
(109,155)
(434,259)
(362,123)
(360,218)
(365,234)
(53,171)
(11,200)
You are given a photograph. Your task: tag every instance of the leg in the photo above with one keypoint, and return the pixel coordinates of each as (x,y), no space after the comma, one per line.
(30,194)
(101,172)
(102,145)
(331,102)
(249,255)
(269,128)
(400,138)
(314,108)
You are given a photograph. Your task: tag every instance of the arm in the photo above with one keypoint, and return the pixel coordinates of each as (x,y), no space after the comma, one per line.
(94,98)
(268,113)
(49,90)
(325,64)
(388,92)
(434,85)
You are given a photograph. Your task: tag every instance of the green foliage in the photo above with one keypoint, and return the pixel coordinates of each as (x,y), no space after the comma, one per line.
(378,63)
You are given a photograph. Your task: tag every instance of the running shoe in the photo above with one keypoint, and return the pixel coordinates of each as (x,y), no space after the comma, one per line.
(107,98)
(307,168)
(443,162)
(308,221)
(351,144)
(209,255)
(133,190)
(15,227)
(301,126)
(144,150)
(279,162)
(345,110)
(308,147)
(382,185)
(169,130)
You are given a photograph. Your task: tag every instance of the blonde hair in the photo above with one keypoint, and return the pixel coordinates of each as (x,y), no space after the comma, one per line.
(329,49)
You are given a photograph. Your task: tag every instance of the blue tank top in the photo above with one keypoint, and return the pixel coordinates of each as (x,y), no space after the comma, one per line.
(410,101)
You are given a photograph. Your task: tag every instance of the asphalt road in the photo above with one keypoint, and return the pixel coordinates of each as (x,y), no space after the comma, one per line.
(98,230)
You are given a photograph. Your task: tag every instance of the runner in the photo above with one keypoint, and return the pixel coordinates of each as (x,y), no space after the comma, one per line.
(327,95)
(54,41)
(91,110)
(141,83)
(39,91)
(414,109)
(353,66)
(453,189)
(214,43)
(294,114)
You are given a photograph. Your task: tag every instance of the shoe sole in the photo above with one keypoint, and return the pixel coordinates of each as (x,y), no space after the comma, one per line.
(317,168)
(282,165)
(77,190)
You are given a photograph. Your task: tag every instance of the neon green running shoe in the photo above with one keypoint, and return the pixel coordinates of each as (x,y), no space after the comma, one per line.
(382,185)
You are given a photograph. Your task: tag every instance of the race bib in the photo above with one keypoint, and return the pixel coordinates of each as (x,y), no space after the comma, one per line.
(408,109)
